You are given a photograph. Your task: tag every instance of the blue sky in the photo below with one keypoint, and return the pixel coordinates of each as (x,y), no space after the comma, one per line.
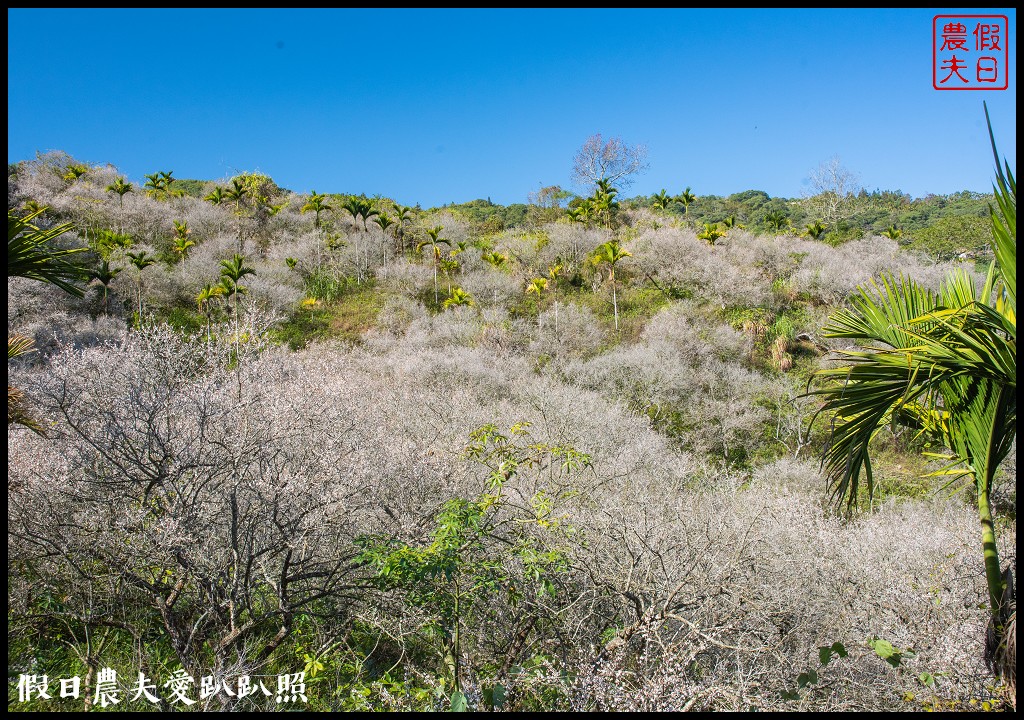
(435,106)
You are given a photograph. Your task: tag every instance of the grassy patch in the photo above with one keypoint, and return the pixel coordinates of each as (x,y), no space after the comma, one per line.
(186,320)
(352,312)
(637,305)
(328,285)
(302,327)
(355,312)
(765,327)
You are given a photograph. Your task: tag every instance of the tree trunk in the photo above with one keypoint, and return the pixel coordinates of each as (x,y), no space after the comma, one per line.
(993,574)
(615,301)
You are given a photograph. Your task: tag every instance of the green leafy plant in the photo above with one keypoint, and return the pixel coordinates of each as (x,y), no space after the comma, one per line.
(465,558)
(893,655)
(327,284)
(537,286)
(105,242)
(458,298)
(826,654)
(776,220)
(711,233)
(75,171)
(583,213)
(494,259)
(30,254)
(459,702)
(18,412)
(892,232)
(944,363)
(815,230)
(216,196)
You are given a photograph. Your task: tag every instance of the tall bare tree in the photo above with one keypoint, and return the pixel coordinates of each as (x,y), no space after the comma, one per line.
(832,187)
(612,160)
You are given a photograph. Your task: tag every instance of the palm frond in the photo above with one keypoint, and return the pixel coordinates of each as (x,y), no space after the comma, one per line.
(18,345)
(1004,223)
(30,256)
(949,346)
(958,289)
(882,313)
(18,413)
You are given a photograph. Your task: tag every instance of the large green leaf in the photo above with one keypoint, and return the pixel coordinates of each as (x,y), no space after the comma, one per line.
(30,255)
(945,363)
(1004,222)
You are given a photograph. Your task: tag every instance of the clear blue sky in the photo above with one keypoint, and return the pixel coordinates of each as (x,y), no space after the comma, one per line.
(437,106)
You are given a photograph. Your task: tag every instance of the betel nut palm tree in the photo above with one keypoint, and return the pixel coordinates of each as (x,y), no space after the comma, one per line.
(122,188)
(610,253)
(458,298)
(434,239)
(661,200)
(105,275)
(237,194)
(141,260)
(204,302)
(944,363)
(216,196)
(232,271)
(403,215)
(815,230)
(316,204)
(604,202)
(383,221)
(685,198)
(181,241)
